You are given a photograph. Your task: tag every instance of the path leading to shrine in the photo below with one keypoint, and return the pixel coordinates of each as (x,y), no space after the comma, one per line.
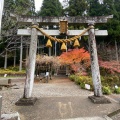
(60,99)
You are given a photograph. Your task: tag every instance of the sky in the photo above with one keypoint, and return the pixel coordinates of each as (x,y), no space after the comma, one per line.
(38,4)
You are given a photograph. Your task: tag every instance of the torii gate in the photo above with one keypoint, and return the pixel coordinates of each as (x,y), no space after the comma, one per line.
(90,21)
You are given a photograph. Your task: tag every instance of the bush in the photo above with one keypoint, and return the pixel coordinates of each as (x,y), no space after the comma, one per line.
(12,71)
(108,82)
(77,80)
(117,90)
(106,90)
(82,80)
(82,85)
(72,77)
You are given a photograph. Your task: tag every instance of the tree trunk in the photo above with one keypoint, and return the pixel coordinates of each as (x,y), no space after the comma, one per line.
(116,49)
(31,65)
(94,64)
(21,53)
(38,46)
(55,48)
(5,63)
(27,49)
(15,58)
(49,51)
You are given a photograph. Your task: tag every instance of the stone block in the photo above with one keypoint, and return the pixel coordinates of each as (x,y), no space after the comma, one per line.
(26,101)
(99,100)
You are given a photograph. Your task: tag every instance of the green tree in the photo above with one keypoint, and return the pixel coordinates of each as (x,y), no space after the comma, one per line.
(77,7)
(22,7)
(51,8)
(108,7)
(95,8)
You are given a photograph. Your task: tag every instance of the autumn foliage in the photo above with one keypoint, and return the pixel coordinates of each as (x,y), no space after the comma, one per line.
(111,67)
(76,58)
(79,60)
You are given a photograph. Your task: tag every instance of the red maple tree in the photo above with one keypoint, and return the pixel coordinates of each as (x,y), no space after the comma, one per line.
(111,66)
(78,59)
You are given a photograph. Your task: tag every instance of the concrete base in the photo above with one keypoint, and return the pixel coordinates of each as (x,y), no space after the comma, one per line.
(14,116)
(26,101)
(99,100)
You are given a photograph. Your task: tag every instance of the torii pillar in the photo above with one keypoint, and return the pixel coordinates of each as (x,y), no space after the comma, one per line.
(30,70)
(98,95)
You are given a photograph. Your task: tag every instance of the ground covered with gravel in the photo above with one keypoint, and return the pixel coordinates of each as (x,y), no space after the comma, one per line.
(55,88)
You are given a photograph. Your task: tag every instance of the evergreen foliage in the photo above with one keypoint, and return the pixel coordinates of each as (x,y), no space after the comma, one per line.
(108,7)
(77,7)
(51,8)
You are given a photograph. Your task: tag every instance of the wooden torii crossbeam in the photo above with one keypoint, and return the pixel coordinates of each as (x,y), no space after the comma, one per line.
(90,21)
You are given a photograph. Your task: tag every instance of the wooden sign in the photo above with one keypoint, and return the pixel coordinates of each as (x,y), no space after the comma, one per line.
(63,27)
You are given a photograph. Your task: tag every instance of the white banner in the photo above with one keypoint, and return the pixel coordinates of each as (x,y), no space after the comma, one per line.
(1,11)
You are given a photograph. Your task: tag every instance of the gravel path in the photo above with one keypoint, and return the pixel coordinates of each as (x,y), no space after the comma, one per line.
(56,88)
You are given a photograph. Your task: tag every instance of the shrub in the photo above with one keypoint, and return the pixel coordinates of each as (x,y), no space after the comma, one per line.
(72,77)
(82,80)
(108,82)
(106,90)
(117,90)
(12,71)
(82,85)
(77,80)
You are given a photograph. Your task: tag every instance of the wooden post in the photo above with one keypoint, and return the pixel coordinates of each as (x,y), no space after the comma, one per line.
(21,53)
(1,11)
(31,64)
(94,63)
(0,105)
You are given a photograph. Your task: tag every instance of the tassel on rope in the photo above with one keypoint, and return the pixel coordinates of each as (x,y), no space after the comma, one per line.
(48,44)
(63,47)
(76,43)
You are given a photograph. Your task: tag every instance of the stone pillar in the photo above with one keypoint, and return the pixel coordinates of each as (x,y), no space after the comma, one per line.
(21,53)
(31,64)
(94,63)
(0,105)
